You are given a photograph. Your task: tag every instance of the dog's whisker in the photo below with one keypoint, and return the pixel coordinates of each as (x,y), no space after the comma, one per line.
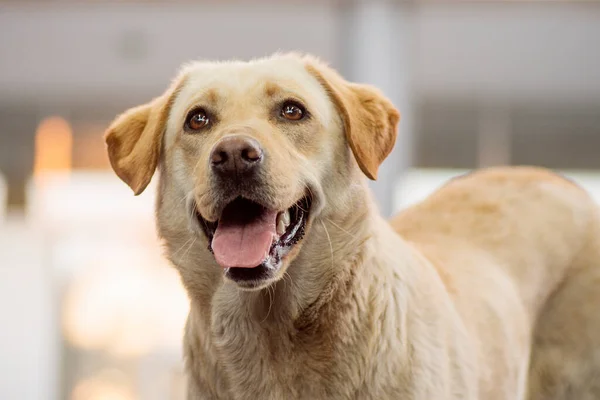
(189,248)
(340,228)
(329,239)
(192,211)
(270,302)
(287,275)
(293,284)
(186,196)
(284,281)
(310,193)
(301,208)
(182,246)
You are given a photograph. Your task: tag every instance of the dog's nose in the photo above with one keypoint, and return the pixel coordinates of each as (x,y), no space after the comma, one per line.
(235,155)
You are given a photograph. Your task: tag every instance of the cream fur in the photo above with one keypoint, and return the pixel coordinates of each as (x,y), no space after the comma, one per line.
(486,290)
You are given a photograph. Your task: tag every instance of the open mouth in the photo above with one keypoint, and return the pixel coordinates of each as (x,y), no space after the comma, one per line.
(249,240)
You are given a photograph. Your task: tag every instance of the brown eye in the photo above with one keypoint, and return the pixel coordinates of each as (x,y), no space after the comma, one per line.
(292,111)
(197,120)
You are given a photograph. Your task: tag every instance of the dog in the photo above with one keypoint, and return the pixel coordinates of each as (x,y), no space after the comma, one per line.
(300,289)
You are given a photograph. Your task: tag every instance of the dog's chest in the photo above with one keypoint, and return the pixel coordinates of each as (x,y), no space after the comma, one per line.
(266,362)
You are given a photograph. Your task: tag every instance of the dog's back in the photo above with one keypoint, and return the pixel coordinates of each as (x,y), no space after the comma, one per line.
(519,252)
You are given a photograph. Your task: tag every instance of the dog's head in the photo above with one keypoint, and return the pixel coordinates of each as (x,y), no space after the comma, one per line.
(250,153)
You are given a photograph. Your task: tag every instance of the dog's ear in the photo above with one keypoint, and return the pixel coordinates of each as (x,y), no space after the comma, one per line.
(134,140)
(370,119)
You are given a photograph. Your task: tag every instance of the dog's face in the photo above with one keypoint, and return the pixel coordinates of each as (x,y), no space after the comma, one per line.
(251,154)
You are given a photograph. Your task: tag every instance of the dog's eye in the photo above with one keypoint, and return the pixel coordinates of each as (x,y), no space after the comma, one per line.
(197,120)
(292,111)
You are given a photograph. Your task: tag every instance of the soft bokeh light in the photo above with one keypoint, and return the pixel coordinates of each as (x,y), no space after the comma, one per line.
(126,307)
(53,145)
(107,385)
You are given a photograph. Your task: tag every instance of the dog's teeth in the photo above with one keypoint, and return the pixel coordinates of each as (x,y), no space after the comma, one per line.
(283,220)
(280,227)
(286,217)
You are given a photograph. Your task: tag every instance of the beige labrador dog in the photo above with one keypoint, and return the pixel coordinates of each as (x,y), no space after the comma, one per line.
(299,289)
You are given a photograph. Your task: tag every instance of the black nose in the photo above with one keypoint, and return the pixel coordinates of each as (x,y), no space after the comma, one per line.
(236,155)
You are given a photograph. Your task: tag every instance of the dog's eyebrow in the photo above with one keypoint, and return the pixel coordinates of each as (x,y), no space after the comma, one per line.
(212,96)
(206,97)
(272,89)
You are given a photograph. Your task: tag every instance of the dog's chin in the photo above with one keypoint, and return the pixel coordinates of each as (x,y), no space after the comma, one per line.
(291,226)
(256,278)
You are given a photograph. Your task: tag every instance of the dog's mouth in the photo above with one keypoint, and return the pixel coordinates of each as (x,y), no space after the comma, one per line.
(250,240)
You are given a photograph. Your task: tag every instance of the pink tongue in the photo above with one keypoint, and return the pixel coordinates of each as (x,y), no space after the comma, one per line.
(244,245)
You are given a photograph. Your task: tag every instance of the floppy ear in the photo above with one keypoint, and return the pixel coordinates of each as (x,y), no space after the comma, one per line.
(370,119)
(134,139)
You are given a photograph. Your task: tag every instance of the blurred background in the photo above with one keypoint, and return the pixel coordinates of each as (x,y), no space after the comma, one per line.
(89,308)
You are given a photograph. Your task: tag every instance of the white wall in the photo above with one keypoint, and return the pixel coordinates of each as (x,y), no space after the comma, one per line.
(538,50)
(50,50)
